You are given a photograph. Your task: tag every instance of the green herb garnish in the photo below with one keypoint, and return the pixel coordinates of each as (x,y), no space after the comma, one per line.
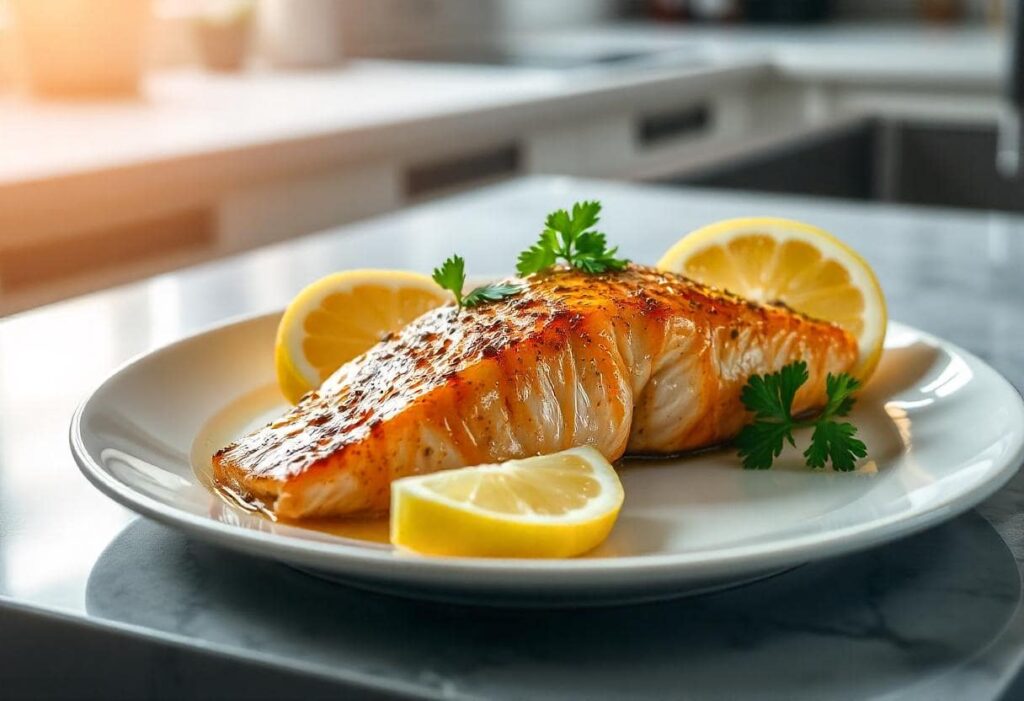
(451,276)
(770,397)
(569,237)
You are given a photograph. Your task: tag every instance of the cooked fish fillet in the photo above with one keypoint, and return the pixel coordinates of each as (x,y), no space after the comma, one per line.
(640,361)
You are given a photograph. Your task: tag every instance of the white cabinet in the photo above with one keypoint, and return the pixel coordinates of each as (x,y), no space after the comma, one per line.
(280,209)
(645,140)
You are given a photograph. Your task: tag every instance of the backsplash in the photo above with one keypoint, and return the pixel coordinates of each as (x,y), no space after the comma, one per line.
(410,23)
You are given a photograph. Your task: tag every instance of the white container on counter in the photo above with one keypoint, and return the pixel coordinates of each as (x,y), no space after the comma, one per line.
(301,33)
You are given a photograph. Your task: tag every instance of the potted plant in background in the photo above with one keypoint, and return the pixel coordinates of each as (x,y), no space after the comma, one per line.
(74,48)
(222,34)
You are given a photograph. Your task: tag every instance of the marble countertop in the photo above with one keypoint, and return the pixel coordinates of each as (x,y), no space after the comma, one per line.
(91,594)
(912,55)
(367,108)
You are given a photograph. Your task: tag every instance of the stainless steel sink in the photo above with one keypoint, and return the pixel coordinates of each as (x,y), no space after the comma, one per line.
(519,56)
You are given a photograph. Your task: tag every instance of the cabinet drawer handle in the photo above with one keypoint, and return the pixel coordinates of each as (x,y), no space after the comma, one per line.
(424,179)
(653,129)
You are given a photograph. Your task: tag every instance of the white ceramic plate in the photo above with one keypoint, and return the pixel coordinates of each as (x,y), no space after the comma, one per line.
(943,431)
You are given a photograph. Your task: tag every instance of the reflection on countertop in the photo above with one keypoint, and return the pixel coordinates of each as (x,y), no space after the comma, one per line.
(838,629)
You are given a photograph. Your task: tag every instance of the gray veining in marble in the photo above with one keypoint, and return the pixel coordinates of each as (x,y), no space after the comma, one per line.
(841,629)
(932,616)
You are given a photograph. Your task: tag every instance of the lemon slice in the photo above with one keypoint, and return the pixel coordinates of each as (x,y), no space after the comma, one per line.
(779,260)
(341,316)
(557,505)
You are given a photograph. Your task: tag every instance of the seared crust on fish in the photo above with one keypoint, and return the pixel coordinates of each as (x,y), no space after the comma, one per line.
(640,361)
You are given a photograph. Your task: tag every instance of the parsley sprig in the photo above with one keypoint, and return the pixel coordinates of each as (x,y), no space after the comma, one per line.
(452,276)
(569,237)
(770,398)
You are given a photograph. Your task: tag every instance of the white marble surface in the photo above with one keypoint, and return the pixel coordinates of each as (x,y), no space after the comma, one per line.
(189,113)
(186,112)
(913,55)
(366,108)
(934,616)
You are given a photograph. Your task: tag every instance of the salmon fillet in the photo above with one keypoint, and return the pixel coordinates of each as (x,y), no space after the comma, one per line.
(639,362)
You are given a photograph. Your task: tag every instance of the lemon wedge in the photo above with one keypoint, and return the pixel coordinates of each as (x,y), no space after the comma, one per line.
(341,316)
(767,259)
(557,505)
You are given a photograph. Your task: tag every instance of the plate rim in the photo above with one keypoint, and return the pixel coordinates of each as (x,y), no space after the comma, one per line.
(731,560)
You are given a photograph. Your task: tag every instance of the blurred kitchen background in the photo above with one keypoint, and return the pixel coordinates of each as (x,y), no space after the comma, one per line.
(137,137)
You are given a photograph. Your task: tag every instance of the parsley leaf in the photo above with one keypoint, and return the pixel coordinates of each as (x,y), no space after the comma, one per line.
(451,276)
(835,441)
(539,256)
(491,293)
(761,442)
(584,216)
(569,237)
(770,398)
(840,389)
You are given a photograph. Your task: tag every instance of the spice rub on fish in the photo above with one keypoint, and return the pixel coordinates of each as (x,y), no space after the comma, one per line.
(639,361)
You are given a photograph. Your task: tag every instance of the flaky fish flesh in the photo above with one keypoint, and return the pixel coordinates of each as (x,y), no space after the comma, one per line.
(633,362)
